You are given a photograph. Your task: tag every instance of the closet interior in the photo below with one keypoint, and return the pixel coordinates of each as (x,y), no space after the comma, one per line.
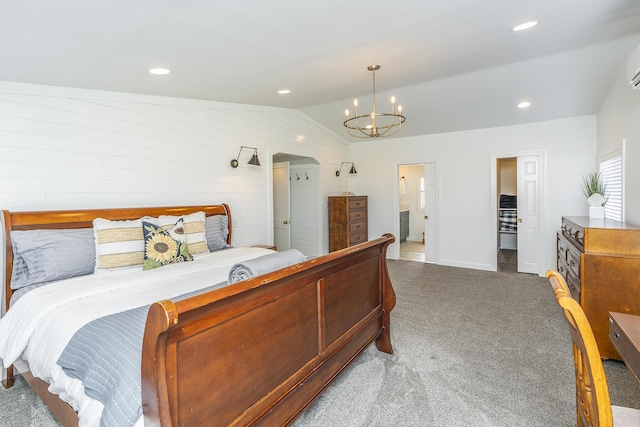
(507,204)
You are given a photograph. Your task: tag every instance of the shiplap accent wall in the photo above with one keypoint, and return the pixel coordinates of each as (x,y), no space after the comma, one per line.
(67,148)
(305,209)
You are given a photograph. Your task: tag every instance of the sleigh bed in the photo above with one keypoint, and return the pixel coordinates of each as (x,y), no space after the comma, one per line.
(255,352)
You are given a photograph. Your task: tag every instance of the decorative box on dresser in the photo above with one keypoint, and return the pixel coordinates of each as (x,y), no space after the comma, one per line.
(348,223)
(600,261)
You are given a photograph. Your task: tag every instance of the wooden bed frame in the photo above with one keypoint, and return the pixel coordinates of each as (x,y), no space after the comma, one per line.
(257,352)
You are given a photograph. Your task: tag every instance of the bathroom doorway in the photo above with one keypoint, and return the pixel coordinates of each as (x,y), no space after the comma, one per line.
(416,212)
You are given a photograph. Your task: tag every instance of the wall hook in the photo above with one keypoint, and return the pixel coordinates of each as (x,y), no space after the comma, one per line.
(305,174)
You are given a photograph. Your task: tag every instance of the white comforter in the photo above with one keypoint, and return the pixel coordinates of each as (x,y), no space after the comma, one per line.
(41,323)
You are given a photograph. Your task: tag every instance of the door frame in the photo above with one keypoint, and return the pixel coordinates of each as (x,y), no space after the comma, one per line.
(394,250)
(321,207)
(542,210)
(285,165)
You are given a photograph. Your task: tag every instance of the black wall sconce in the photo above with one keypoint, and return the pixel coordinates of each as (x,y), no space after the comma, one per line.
(253,161)
(352,170)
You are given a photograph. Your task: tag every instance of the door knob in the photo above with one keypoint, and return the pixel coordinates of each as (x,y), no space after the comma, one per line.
(519,220)
(426,217)
(285,222)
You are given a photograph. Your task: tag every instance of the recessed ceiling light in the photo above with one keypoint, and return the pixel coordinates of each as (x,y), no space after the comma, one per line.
(159,71)
(525,26)
(524,104)
(284,91)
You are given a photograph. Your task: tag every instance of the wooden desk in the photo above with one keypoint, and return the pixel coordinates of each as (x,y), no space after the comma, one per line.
(624,332)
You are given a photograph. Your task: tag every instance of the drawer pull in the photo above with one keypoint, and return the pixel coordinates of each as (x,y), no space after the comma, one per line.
(616,336)
(571,263)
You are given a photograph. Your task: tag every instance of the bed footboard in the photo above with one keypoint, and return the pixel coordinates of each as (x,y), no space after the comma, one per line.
(258,352)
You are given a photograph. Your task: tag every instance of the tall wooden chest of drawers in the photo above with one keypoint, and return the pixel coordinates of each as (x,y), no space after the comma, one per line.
(348,222)
(600,261)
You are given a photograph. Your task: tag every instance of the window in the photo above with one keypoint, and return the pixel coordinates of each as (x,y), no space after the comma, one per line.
(611,174)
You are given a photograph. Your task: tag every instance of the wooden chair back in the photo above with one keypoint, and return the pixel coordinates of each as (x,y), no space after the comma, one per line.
(592,393)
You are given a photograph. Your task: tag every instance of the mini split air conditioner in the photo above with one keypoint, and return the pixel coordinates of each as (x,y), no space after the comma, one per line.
(633,68)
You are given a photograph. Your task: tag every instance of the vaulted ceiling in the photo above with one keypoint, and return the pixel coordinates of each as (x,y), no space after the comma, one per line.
(453,65)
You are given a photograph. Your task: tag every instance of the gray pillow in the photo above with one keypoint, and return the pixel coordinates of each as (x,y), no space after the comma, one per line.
(46,255)
(216,232)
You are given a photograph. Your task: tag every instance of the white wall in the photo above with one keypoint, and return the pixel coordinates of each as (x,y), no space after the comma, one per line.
(466,230)
(66,148)
(618,120)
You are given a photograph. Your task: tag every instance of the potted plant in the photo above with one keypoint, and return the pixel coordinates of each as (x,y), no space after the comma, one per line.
(595,191)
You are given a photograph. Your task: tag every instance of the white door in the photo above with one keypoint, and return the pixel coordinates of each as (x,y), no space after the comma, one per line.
(528,171)
(429,212)
(281,206)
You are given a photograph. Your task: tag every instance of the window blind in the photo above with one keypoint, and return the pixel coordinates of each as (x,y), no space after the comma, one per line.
(611,174)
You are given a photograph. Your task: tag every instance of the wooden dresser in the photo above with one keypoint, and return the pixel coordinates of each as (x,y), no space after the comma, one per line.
(600,261)
(347,221)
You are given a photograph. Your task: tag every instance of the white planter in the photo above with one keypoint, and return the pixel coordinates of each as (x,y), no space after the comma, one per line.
(596,212)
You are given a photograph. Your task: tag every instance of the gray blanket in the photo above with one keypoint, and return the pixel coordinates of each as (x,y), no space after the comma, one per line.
(264,264)
(106,355)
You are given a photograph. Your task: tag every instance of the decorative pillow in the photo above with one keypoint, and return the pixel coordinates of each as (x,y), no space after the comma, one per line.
(194,225)
(119,244)
(162,246)
(42,256)
(217,232)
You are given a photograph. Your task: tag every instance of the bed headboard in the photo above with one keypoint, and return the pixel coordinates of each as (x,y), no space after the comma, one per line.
(84,219)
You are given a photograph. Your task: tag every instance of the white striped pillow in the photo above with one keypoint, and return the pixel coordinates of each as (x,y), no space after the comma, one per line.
(194,225)
(119,244)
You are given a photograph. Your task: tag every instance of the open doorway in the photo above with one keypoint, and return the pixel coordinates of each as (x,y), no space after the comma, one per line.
(518,214)
(507,181)
(416,212)
(297,207)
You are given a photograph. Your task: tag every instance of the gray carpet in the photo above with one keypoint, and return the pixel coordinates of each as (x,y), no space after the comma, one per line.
(472,348)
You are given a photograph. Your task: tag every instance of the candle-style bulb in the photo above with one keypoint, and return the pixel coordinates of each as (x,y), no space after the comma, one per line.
(355,102)
(346,113)
(393,99)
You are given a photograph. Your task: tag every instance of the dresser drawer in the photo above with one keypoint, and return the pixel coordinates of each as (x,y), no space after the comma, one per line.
(573,231)
(357,226)
(571,279)
(573,282)
(356,238)
(623,333)
(563,247)
(357,215)
(562,268)
(573,261)
(616,336)
(631,356)
(357,203)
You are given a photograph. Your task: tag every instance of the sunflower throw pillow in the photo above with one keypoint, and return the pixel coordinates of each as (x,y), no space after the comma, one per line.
(163,247)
